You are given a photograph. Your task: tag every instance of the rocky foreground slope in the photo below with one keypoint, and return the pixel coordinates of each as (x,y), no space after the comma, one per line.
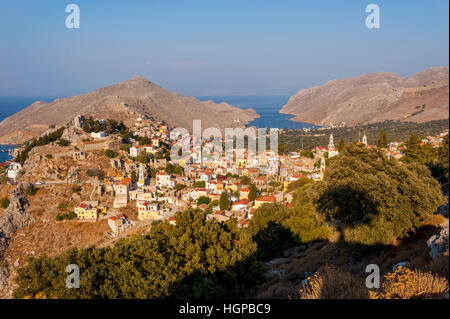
(13,218)
(374,98)
(122,101)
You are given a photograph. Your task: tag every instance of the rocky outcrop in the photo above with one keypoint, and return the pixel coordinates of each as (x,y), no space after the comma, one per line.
(72,134)
(72,174)
(438,244)
(12,218)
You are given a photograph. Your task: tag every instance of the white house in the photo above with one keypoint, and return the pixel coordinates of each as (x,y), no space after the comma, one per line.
(136,150)
(165,180)
(13,170)
(101,134)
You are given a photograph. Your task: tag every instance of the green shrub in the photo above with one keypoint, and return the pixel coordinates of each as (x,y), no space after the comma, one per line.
(203,200)
(95,172)
(63,142)
(4,202)
(275,227)
(110,153)
(30,190)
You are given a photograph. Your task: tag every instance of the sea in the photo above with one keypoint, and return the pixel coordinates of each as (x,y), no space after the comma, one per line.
(13,104)
(267,107)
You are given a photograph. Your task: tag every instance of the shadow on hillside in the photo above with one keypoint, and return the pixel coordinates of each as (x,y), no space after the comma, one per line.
(230,283)
(351,260)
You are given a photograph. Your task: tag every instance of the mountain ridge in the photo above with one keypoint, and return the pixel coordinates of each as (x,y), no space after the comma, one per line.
(374,97)
(122,101)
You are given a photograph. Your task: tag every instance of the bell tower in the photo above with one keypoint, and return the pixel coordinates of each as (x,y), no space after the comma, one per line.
(141,179)
(364,139)
(331,143)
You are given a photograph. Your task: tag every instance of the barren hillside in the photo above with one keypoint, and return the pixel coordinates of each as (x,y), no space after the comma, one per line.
(122,101)
(374,98)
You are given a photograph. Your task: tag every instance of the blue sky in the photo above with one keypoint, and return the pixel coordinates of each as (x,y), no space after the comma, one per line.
(213,47)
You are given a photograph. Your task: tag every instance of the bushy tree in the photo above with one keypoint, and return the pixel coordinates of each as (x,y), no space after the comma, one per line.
(194,259)
(275,227)
(203,200)
(253,194)
(110,153)
(374,198)
(143,157)
(244,180)
(134,177)
(383,140)
(307,153)
(417,152)
(224,201)
(341,145)
(199,184)
(443,157)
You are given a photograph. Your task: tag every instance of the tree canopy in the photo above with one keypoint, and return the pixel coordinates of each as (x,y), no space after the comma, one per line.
(376,199)
(194,259)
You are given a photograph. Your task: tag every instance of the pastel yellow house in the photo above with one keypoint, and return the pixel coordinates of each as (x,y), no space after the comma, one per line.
(86,211)
(146,210)
(219,187)
(243,193)
(214,196)
(89,210)
(232,187)
(155,141)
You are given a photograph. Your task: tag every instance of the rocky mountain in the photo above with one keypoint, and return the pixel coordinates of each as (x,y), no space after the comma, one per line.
(123,101)
(374,97)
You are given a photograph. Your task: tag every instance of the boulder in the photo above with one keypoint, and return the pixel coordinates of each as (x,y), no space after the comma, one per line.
(442,210)
(438,244)
(402,264)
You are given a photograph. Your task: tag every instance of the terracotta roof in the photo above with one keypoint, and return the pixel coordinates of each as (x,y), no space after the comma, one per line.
(266,199)
(124,181)
(243,201)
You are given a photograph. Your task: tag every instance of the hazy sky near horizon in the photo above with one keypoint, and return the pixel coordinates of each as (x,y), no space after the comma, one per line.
(213,47)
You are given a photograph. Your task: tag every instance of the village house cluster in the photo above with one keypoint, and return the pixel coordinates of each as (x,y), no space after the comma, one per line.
(155,189)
